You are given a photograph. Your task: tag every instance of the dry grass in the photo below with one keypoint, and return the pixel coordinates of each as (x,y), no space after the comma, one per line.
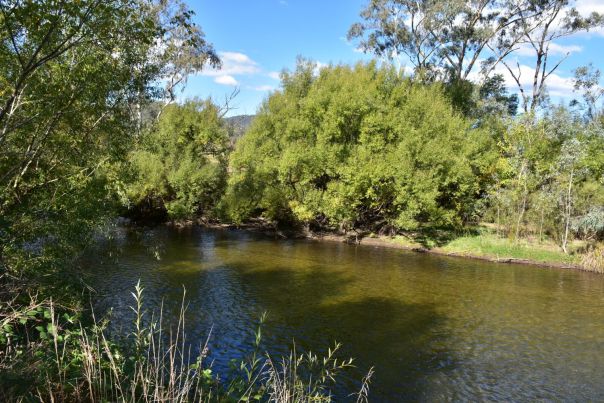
(593,259)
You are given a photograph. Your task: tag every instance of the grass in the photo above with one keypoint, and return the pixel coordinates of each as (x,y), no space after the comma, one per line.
(484,242)
(492,246)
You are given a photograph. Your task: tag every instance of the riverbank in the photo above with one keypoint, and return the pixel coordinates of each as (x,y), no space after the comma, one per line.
(481,247)
(480,242)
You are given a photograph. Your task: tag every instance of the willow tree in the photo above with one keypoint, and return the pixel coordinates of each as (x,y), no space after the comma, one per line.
(179,168)
(359,147)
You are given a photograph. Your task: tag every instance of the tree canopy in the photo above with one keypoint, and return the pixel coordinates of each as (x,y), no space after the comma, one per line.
(359,146)
(180,166)
(72,77)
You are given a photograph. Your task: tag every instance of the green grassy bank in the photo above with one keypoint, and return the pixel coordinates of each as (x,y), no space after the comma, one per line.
(484,242)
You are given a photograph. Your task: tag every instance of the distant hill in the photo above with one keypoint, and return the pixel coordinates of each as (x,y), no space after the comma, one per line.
(239,124)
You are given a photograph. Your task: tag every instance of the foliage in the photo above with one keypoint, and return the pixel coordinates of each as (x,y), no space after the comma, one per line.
(359,147)
(547,176)
(593,260)
(72,76)
(587,81)
(540,24)
(180,164)
(591,224)
(442,39)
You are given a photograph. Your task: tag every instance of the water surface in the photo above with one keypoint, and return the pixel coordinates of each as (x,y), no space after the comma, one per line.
(434,328)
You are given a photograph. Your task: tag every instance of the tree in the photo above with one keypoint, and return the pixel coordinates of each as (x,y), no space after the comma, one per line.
(571,156)
(359,148)
(523,170)
(180,47)
(447,40)
(400,27)
(439,37)
(587,81)
(495,98)
(180,167)
(542,23)
(591,224)
(72,73)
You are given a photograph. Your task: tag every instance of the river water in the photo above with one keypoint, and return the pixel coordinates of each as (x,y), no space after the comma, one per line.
(434,328)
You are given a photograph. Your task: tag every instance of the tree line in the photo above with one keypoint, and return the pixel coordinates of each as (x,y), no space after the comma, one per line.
(386,150)
(366,148)
(90,127)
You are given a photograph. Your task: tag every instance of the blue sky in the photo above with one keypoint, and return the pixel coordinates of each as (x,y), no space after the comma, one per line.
(259,38)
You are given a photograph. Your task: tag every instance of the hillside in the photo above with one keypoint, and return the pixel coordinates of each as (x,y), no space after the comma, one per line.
(239,124)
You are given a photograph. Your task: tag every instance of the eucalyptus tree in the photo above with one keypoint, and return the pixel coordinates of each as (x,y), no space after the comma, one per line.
(400,27)
(587,81)
(447,38)
(180,48)
(540,24)
(454,40)
(568,170)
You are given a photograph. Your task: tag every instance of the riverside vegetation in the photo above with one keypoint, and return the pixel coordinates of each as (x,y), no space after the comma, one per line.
(89,130)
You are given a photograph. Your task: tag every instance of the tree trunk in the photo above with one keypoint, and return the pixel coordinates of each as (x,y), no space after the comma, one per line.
(541,227)
(567,212)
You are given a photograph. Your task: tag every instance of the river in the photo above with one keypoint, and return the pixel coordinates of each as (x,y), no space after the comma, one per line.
(433,327)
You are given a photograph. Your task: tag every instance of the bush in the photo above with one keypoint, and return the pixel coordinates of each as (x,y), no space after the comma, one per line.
(593,260)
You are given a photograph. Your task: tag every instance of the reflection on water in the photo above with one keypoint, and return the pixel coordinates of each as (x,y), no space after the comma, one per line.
(434,328)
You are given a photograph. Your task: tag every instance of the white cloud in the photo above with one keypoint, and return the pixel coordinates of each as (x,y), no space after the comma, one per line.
(319,66)
(408,70)
(586,7)
(233,64)
(275,75)
(555,49)
(226,80)
(557,85)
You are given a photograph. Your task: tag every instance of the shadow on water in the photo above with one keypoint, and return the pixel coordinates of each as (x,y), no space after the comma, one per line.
(434,328)
(403,341)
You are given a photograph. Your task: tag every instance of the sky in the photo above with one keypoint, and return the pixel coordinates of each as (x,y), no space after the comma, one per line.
(257,39)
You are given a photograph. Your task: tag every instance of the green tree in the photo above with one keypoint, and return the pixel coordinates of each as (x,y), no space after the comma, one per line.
(180,166)
(452,39)
(449,36)
(71,77)
(544,22)
(359,147)
(587,81)
(549,174)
